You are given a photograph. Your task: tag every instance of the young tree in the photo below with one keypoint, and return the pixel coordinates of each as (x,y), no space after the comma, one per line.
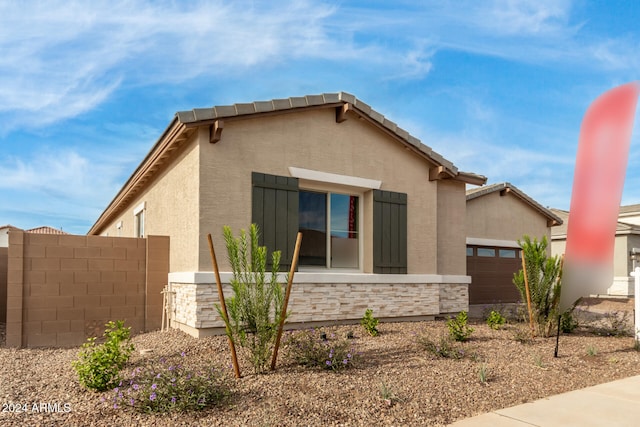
(255,308)
(544,275)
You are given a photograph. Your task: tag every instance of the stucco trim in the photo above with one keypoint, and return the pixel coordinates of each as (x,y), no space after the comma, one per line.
(207,277)
(334,178)
(492,242)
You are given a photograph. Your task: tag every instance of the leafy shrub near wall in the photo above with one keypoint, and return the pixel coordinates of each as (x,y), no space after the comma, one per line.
(98,365)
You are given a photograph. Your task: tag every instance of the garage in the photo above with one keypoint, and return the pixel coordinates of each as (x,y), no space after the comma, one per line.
(498,216)
(491,269)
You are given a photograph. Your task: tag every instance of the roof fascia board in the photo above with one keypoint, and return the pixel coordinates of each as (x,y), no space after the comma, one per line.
(154,159)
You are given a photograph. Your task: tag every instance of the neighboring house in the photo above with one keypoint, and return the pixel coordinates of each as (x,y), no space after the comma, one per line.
(627,243)
(46,230)
(4,234)
(382,215)
(5,229)
(498,215)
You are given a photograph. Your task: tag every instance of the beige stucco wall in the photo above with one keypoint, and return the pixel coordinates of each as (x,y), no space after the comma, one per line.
(171,208)
(493,216)
(451,228)
(313,140)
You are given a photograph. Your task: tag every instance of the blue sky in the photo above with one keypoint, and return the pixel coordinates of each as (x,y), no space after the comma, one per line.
(498,87)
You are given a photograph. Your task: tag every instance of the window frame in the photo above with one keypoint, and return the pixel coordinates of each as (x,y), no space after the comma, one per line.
(329,189)
(139,226)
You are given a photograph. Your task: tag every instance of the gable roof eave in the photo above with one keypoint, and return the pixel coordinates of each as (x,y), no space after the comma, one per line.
(185,123)
(507,188)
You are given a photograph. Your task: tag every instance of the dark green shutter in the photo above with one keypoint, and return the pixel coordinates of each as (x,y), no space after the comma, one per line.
(275,210)
(389,232)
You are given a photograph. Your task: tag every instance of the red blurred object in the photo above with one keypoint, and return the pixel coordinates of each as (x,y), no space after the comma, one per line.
(601,164)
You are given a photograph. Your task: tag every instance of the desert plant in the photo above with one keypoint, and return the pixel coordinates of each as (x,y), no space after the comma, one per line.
(255,308)
(370,323)
(386,393)
(483,374)
(544,278)
(522,335)
(458,328)
(308,348)
(592,351)
(495,320)
(568,322)
(98,365)
(537,359)
(445,348)
(617,324)
(167,386)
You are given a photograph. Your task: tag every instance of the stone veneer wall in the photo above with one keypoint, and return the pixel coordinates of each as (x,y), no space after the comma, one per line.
(193,304)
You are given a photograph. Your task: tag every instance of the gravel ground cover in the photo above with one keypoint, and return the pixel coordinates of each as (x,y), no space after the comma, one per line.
(423,389)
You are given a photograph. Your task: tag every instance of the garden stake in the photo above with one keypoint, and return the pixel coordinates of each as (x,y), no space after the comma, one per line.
(294,263)
(555,353)
(234,357)
(526,285)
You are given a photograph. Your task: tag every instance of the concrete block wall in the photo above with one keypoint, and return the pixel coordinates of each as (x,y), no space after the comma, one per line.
(4,258)
(193,305)
(63,289)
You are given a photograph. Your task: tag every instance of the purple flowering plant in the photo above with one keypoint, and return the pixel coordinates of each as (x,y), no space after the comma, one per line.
(166,386)
(312,348)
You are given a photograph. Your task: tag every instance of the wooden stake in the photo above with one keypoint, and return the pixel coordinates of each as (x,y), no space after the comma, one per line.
(526,286)
(294,263)
(234,357)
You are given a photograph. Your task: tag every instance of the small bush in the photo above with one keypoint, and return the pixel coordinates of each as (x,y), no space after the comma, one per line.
(495,320)
(169,387)
(445,349)
(98,365)
(458,328)
(617,324)
(568,322)
(307,348)
(483,374)
(522,335)
(370,323)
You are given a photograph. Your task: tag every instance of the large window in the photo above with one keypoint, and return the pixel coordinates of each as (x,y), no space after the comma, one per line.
(329,223)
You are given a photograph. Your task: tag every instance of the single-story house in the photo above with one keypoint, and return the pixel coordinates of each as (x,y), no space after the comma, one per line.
(6,229)
(498,215)
(625,252)
(382,215)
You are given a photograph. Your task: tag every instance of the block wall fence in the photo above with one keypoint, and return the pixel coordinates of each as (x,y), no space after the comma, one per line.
(62,289)
(4,252)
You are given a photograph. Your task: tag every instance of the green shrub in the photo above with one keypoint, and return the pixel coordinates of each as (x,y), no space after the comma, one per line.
(568,322)
(98,365)
(256,306)
(445,349)
(495,320)
(170,387)
(458,328)
(309,348)
(370,323)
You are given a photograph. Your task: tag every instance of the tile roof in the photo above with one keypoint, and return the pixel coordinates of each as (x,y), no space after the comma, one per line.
(185,123)
(203,115)
(45,230)
(474,193)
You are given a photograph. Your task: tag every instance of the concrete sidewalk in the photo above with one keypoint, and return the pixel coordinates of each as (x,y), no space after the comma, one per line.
(611,404)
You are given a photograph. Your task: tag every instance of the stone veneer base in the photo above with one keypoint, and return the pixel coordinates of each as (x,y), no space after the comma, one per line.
(325,298)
